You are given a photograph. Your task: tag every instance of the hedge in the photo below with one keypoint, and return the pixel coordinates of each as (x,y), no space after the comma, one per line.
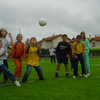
(95,51)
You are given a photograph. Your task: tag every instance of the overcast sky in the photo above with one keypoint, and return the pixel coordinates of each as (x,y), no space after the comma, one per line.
(63,17)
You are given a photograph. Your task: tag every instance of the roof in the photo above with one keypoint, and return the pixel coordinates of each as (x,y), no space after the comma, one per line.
(96,38)
(51,38)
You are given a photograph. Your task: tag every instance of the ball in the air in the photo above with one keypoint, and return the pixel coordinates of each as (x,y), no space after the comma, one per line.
(42,22)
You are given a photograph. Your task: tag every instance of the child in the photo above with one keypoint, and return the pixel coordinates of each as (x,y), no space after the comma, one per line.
(19,51)
(51,51)
(32,59)
(86,53)
(3,68)
(3,34)
(72,59)
(62,52)
(78,49)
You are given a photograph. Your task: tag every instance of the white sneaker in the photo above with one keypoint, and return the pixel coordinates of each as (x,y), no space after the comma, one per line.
(19,79)
(17,83)
(84,75)
(88,74)
(74,76)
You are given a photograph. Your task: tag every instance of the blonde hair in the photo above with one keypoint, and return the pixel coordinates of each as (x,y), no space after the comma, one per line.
(84,35)
(1,31)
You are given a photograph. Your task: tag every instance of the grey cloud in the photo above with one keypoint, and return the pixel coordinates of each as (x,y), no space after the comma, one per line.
(63,16)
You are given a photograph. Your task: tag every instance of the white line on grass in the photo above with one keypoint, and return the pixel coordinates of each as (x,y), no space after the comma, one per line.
(56,63)
(13,83)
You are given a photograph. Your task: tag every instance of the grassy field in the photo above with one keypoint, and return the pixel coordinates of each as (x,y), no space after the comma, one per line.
(51,88)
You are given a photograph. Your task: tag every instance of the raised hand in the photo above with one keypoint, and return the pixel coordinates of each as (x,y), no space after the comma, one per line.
(67,56)
(9,34)
(27,42)
(39,46)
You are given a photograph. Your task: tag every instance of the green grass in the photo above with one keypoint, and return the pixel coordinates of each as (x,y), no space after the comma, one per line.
(61,88)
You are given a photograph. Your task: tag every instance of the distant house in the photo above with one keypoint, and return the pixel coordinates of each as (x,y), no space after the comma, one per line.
(94,42)
(55,39)
(51,41)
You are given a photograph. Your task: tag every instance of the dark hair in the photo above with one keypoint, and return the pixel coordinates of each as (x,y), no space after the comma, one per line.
(33,38)
(78,36)
(18,35)
(64,35)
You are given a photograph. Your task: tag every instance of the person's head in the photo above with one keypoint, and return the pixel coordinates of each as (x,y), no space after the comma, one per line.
(64,37)
(0,43)
(83,35)
(19,37)
(33,40)
(50,47)
(3,32)
(78,37)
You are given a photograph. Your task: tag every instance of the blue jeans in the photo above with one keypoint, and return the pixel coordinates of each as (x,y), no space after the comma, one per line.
(28,71)
(7,72)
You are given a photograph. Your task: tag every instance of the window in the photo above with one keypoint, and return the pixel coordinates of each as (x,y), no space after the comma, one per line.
(99,42)
(93,44)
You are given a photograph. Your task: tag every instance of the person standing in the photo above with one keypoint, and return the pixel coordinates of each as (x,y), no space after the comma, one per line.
(19,52)
(32,60)
(6,43)
(62,52)
(52,57)
(86,53)
(78,49)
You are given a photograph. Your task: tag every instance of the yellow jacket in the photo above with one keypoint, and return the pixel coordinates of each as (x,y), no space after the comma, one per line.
(78,48)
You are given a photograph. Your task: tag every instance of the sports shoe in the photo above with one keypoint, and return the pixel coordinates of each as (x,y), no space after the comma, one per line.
(6,81)
(74,76)
(23,81)
(41,79)
(72,69)
(17,83)
(19,79)
(66,74)
(84,75)
(56,74)
(88,74)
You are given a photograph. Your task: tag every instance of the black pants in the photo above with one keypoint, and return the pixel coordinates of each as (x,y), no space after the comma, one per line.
(52,58)
(81,59)
(6,64)
(72,63)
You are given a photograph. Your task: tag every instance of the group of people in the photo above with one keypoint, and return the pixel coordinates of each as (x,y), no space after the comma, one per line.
(19,51)
(77,51)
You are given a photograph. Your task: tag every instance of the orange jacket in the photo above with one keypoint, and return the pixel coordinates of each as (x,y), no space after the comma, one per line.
(19,50)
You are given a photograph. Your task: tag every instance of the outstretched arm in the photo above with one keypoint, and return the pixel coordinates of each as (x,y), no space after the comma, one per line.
(39,46)
(10,35)
(27,44)
(9,55)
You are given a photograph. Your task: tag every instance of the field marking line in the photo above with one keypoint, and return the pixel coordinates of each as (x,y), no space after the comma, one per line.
(54,63)
(14,84)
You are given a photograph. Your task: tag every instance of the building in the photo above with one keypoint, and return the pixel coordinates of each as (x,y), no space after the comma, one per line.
(94,42)
(55,39)
(51,41)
